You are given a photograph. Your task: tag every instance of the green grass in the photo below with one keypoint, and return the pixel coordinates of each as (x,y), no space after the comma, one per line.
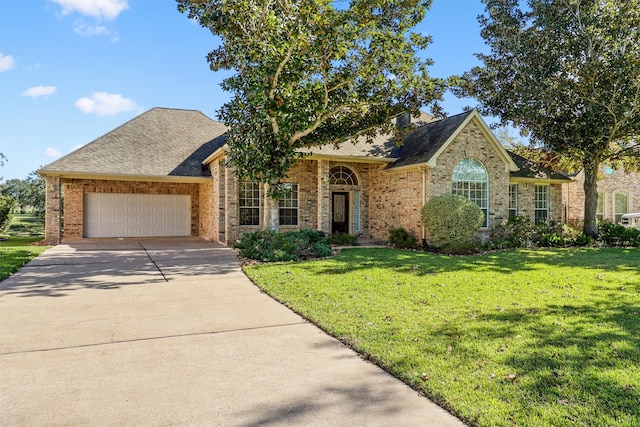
(519,338)
(26,225)
(17,248)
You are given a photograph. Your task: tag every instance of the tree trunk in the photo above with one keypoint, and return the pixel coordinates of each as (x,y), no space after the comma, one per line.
(591,167)
(271,210)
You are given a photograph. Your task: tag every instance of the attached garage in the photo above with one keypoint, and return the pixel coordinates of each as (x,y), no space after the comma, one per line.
(136,215)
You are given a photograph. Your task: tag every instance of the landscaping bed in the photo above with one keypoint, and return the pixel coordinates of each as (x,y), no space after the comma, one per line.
(522,338)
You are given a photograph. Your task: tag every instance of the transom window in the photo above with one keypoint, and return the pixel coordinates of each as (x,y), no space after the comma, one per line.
(249,203)
(342,175)
(289,204)
(621,204)
(470,180)
(542,203)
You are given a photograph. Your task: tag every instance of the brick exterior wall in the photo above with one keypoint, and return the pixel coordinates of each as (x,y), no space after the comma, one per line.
(395,201)
(620,181)
(471,142)
(74,190)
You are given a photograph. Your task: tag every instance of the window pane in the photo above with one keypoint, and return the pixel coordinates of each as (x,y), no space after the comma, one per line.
(541,203)
(249,203)
(289,205)
(513,199)
(356,211)
(470,180)
(621,205)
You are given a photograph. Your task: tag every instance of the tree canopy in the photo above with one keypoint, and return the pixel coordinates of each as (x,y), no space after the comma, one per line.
(567,72)
(27,193)
(313,72)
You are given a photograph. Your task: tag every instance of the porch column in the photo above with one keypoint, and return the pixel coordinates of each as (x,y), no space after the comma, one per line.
(52,210)
(324,197)
(231,213)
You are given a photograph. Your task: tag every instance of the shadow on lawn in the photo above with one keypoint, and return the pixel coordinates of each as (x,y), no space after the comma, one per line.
(421,263)
(571,360)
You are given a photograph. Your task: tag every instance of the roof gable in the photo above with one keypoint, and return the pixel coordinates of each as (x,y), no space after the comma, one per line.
(160,142)
(425,144)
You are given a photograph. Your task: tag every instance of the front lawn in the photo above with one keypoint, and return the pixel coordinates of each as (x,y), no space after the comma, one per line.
(519,338)
(16,248)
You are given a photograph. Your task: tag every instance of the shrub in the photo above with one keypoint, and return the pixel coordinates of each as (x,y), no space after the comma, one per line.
(451,219)
(400,238)
(6,204)
(548,233)
(515,232)
(343,239)
(270,246)
(617,235)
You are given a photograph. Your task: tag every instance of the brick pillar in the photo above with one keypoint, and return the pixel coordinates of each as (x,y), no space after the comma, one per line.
(52,209)
(232,221)
(324,197)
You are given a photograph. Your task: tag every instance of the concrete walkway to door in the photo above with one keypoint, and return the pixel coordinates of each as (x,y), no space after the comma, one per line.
(171,332)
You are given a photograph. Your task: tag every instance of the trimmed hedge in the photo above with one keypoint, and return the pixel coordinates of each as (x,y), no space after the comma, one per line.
(451,220)
(271,246)
(343,239)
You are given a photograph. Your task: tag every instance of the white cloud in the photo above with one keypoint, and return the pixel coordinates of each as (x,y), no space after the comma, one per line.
(52,152)
(99,9)
(87,30)
(75,147)
(6,62)
(107,104)
(37,91)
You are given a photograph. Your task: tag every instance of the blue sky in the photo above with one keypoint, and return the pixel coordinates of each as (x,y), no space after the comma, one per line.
(72,70)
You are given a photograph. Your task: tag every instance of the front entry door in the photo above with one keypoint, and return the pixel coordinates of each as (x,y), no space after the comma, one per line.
(340,212)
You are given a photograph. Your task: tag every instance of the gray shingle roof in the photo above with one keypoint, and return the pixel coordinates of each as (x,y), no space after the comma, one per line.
(420,146)
(160,142)
(382,146)
(530,169)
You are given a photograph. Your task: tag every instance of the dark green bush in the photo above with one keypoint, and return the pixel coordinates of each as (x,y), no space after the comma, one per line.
(343,239)
(450,219)
(270,246)
(400,238)
(521,232)
(617,235)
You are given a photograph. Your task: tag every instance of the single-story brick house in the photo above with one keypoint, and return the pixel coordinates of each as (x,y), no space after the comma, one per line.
(163,173)
(618,194)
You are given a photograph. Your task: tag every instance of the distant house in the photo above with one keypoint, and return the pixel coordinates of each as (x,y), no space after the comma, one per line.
(618,194)
(163,173)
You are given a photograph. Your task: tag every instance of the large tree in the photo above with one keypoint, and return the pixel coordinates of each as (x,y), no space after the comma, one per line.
(568,72)
(28,193)
(313,72)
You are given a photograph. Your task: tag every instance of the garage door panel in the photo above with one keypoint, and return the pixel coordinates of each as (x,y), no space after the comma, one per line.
(137,215)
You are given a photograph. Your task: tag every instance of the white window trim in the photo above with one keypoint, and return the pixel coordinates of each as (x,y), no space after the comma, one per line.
(548,199)
(517,190)
(259,207)
(484,227)
(297,208)
(615,212)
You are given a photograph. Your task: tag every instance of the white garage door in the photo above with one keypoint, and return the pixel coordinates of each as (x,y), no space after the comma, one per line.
(136,215)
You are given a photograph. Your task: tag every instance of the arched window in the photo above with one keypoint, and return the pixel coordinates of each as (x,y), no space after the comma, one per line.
(342,175)
(470,179)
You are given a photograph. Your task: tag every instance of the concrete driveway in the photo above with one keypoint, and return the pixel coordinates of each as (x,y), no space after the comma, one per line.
(161,332)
